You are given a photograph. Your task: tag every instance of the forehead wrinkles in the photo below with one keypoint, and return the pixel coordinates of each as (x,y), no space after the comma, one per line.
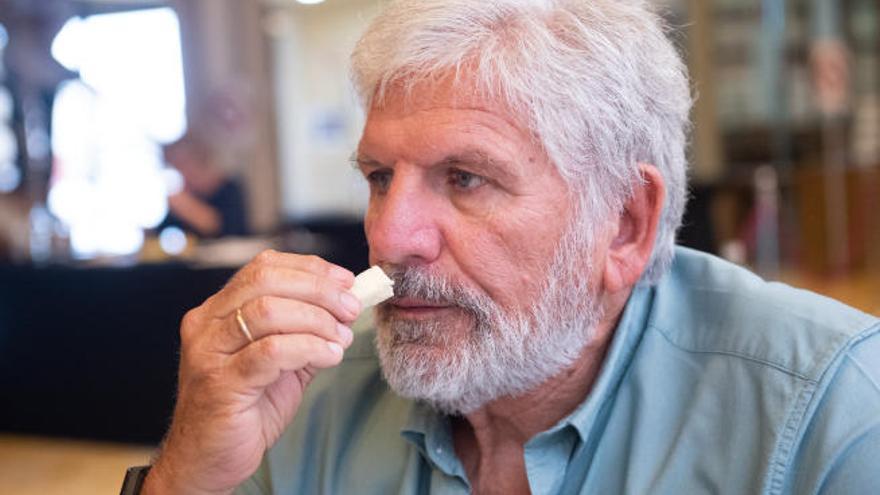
(458,90)
(454,89)
(443,134)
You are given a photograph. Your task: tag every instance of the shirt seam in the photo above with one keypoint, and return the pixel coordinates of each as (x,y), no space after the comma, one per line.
(781,459)
(856,317)
(746,357)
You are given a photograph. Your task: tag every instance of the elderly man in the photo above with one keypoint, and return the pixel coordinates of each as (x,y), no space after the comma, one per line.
(527,175)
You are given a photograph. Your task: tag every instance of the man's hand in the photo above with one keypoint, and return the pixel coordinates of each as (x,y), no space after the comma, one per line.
(235,397)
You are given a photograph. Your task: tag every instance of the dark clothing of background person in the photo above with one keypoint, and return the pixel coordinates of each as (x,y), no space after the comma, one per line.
(229,201)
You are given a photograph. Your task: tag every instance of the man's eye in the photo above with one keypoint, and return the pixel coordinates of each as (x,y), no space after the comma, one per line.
(379,180)
(465,180)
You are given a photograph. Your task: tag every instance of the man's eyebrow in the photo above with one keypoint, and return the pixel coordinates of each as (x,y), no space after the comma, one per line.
(357,160)
(475,157)
(480,159)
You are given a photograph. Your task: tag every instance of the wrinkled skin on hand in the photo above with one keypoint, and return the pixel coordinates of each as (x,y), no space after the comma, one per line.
(236,397)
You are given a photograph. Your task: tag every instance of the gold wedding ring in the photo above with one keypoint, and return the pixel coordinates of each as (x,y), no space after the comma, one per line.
(242,325)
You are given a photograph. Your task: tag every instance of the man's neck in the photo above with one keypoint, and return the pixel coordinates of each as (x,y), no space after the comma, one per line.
(492,438)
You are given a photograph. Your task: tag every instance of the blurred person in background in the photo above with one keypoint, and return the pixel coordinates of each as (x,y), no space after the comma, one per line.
(13,227)
(211,202)
(829,56)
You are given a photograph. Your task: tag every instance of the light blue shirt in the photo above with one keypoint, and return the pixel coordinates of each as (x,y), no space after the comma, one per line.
(715,382)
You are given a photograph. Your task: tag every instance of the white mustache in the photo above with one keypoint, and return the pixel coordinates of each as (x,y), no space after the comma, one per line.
(418,283)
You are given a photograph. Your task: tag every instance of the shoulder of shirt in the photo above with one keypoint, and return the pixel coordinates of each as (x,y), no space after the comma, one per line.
(707,305)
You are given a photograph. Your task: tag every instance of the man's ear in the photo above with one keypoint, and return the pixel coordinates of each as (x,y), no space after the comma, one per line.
(632,244)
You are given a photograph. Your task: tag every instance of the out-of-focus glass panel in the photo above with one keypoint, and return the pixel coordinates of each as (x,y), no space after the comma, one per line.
(108,183)
(10,175)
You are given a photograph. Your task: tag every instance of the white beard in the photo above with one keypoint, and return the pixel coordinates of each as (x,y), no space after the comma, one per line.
(500,354)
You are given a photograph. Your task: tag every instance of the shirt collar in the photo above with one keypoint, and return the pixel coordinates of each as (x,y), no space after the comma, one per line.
(431,433)
(626,338)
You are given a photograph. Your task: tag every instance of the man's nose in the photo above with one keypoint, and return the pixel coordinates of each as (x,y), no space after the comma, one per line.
(402,224)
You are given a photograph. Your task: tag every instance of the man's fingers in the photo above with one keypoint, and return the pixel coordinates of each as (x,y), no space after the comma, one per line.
(260,364)
(284,282)
(304,263)
(268,315)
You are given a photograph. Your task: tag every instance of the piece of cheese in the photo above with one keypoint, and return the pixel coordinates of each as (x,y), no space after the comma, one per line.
(372,287)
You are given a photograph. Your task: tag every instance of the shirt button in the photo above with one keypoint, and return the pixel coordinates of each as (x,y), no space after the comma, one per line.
(439,451)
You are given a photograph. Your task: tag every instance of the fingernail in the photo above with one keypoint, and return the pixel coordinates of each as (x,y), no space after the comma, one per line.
(352,305)
(345,333)
(336,348)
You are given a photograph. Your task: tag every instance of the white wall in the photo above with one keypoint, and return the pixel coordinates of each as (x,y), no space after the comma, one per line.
(311,46)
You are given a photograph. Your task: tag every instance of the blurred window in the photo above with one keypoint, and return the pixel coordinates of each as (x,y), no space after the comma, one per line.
(107,184)
(10,175)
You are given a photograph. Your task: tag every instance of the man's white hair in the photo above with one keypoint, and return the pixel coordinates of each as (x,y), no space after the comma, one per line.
(597,83)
